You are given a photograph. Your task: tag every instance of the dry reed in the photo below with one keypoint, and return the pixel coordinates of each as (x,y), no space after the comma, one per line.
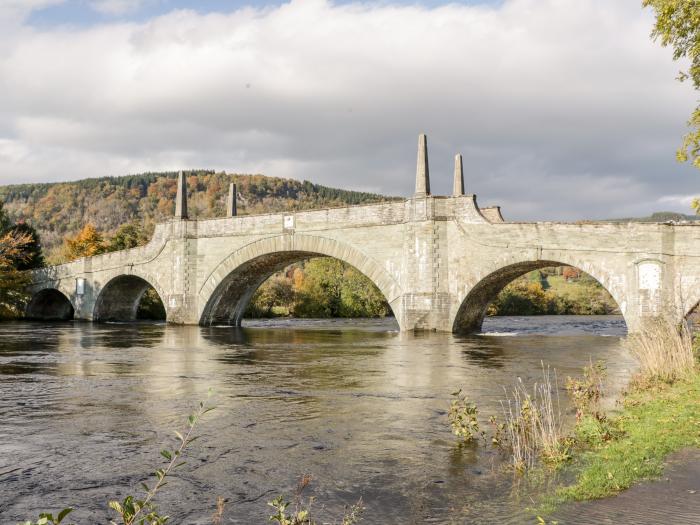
(664,350)
(533,422)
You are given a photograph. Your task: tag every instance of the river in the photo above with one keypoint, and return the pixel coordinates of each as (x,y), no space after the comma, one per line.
(86,408)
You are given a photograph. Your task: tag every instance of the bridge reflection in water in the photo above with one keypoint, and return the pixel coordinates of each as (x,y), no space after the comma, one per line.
(357,404)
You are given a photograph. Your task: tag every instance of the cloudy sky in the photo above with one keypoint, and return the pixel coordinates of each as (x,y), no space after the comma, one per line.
(563,109)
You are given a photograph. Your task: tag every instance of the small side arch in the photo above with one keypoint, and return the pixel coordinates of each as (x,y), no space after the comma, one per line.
(474,304)
(119,299)
(227,291)
(50,304)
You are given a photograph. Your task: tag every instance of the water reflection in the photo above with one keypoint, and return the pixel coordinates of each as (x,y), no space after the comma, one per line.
(361,407)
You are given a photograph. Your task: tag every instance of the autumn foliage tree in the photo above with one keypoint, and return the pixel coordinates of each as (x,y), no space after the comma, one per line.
(87,243)
(569,272)
(32,255)
(18,251)
(13,282)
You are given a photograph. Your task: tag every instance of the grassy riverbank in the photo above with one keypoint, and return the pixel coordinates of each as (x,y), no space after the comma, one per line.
(658,416)
(632,445)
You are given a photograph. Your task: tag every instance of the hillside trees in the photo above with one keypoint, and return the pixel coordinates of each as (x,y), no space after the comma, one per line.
(63,209)
(90,241)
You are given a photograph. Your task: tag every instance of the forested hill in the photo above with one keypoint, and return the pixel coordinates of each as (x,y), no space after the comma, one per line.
(58,210)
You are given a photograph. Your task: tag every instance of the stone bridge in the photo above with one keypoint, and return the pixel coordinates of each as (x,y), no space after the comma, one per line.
(438,260)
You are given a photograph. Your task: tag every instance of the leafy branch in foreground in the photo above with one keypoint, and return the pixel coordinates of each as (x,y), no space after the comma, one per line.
(678,26)
(134,511)
(46,518)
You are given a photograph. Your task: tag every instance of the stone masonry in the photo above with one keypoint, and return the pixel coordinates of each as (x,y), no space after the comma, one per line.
(438,260)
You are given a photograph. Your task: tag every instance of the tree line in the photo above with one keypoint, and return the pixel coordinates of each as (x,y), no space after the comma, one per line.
(63,209)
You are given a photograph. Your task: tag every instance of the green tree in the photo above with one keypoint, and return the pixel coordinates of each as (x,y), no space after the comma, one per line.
(129,235)
(359,297)
(320,291)
(521,298)
(275,292)
(678,26)
(5,222)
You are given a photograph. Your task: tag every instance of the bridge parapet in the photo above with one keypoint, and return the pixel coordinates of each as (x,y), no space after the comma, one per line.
(439,260)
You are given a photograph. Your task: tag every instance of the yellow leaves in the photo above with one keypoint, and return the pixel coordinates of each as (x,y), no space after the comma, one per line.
(12,246)
(12,281)
(87,243)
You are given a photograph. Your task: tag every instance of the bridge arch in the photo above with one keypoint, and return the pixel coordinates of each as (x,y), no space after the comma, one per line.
(473,303)
(225,295)
(50,304)
(119,298)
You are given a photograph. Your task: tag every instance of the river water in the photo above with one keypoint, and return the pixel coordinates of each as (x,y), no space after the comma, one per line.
(86,408)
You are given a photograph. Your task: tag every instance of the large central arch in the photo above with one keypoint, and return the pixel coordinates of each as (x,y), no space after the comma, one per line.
(224,296)
(474,305)
(119,299)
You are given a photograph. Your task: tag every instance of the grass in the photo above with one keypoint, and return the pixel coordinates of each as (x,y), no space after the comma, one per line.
(660,415)
(653,424)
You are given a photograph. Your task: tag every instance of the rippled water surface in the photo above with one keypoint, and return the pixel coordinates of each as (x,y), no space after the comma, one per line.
(85,410)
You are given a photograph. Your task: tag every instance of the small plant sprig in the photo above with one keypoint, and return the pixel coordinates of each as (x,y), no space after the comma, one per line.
(218,516)
(134,511)
(499,439)
(301,515)
(585,393)
(463,418)
(46,518)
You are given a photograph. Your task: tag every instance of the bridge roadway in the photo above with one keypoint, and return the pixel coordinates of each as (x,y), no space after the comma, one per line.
(438,260)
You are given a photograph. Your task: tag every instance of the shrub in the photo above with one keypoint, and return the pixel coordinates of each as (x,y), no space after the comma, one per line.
(586,392)
(463,418)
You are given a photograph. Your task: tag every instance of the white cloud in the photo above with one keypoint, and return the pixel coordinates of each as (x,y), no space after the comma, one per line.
(13,12)
(116,7)
(683,201)
(562,108)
